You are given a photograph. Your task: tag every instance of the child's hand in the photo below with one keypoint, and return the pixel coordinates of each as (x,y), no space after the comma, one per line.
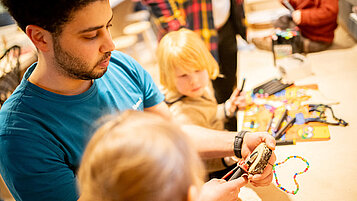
(221,190)
(296,15)
(240,102)
(235,102)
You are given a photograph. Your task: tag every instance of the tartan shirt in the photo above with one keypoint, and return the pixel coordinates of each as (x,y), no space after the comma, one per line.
(196,15)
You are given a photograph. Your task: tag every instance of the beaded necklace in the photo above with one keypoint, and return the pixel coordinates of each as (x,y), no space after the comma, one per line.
(296,174)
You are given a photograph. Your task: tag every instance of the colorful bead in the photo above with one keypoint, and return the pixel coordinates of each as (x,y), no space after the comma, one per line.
(296,174)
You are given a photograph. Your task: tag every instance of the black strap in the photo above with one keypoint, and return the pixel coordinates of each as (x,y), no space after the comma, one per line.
(238,141)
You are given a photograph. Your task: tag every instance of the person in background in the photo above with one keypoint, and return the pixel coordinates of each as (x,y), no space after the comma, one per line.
(217,22)
(316,20)
(139,156)
(186,69)
(79,78)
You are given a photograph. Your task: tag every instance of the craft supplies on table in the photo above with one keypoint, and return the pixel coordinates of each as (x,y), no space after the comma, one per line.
(288,104)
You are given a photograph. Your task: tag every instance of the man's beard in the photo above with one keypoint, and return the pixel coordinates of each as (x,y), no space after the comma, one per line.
(75,67)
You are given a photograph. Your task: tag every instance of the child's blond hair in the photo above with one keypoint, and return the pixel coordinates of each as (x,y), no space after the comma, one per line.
(139,157)
(183,49)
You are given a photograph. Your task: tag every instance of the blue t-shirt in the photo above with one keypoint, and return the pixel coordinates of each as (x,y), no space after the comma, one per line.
(43,134)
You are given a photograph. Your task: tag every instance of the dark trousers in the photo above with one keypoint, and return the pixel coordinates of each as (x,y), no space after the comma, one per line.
(227,52)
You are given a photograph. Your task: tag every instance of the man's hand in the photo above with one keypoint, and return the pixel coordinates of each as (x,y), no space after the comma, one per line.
(250,142)
(221,190)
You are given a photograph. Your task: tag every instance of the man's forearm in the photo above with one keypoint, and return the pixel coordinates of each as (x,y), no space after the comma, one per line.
(210,143)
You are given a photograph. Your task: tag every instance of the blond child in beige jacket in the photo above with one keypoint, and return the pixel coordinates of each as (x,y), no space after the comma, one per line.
(186,70)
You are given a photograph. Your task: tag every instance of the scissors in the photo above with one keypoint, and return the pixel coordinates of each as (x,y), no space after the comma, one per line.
(254,164)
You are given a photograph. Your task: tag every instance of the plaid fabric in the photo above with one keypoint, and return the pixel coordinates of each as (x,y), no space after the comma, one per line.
(195,15)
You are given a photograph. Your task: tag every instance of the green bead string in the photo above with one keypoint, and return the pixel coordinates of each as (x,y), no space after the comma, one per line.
(296,174)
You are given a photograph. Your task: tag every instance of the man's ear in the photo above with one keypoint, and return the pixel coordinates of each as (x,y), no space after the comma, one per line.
(41,38)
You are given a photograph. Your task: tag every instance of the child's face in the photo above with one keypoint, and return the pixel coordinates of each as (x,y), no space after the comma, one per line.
(191,84)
